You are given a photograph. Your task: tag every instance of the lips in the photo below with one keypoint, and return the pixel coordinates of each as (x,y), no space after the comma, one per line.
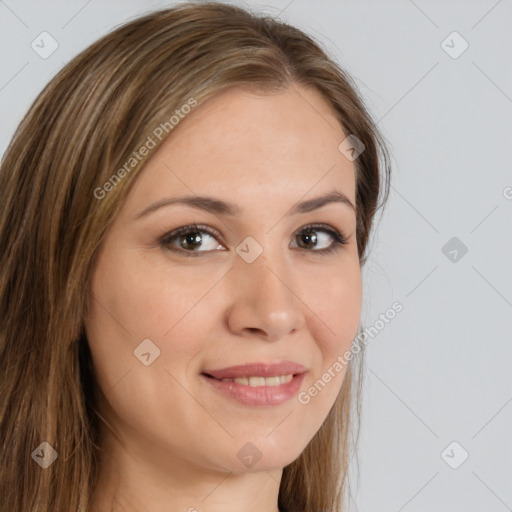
(256,370)
(258,384)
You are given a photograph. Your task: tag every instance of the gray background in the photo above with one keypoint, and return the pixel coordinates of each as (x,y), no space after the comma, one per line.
(440,371)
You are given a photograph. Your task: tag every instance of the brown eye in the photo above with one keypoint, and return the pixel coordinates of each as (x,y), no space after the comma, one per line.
(188,239)
(309,239)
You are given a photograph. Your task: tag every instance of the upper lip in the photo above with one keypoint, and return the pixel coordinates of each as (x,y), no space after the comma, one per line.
(257,370)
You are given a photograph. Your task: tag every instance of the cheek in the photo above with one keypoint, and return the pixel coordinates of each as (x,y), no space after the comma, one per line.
(134,299)
(347,315)
(336,306)
(337,303)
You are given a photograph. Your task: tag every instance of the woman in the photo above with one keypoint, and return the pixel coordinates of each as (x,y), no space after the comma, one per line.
(186,211)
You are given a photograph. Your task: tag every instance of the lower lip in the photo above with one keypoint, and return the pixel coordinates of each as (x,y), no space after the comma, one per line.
(258,395)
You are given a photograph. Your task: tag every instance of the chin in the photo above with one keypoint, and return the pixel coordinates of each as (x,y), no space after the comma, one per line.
(261,454)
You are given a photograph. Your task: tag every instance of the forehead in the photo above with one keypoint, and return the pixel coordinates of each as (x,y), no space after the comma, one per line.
(251,145)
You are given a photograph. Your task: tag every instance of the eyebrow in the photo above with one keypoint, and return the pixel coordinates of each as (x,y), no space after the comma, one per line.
(216,206)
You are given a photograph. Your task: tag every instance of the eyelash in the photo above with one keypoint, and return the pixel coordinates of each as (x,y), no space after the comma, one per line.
(165,241)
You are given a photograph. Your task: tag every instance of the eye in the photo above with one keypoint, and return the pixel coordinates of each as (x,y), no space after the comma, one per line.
(188,238)
(307,236)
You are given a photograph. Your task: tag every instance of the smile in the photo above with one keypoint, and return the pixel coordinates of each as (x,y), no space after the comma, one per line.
(261,381)
(257,391)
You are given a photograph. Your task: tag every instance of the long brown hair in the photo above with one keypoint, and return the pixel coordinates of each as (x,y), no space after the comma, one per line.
(82,128)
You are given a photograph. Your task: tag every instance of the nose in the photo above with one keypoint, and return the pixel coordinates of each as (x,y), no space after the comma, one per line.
(265,299)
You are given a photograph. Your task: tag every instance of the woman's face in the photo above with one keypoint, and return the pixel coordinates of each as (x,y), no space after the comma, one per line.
(250,286)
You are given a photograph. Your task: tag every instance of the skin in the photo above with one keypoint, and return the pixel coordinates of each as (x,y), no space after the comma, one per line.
(174,439)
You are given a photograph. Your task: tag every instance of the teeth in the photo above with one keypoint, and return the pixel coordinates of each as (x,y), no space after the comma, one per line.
(261,381)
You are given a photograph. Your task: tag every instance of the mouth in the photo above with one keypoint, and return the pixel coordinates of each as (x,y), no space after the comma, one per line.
(257,381)
(257,370)
(257,384)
